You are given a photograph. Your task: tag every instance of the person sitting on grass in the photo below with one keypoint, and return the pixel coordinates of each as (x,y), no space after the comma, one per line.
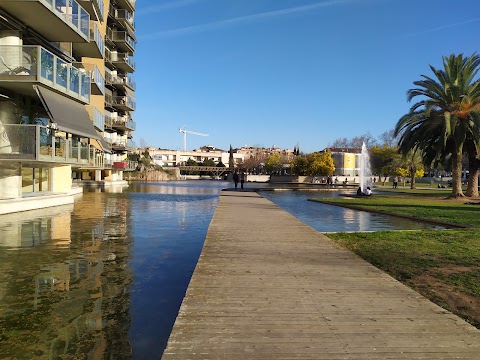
(368,191)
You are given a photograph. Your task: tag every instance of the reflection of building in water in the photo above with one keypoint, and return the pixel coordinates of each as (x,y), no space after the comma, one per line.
(32,228)
(68,302)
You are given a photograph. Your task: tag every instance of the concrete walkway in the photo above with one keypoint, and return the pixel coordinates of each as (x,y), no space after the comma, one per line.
(268,286)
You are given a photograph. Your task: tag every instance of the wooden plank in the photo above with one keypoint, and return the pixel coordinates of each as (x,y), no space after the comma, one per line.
(268,286)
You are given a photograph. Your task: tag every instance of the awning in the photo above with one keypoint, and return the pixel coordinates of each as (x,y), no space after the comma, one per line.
(106,146)
(69,115)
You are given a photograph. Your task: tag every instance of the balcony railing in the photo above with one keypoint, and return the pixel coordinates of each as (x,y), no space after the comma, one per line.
(95,8)
(96,36)
(125,17)
(125,165)
(124,81)
(108,99)
(98,119)
(126,101)
(121,38)
(97,80)
(131,125)
(40,143)
(122,122)
(130,144)
(36,64)
(123,61)
(72,13)
(126,3)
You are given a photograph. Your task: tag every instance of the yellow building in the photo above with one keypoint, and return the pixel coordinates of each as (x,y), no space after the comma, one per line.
(66,94)
(347,161)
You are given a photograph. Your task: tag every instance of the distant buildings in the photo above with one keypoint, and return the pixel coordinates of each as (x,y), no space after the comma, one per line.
(170,158)
(66,95)
(346,160)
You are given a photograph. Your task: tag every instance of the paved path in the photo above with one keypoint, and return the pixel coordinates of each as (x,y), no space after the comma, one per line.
(268,286)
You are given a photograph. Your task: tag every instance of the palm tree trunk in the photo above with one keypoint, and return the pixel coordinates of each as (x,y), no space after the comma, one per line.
(457,172)
(474,167)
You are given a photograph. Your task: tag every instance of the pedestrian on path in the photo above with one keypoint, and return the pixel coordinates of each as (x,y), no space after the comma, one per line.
(242,179)
(235,179)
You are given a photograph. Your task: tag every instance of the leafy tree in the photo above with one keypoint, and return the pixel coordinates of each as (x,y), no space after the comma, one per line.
(191,162)
(441,122)
(273,162)
(382,160)
(320,164)
(300,166)
(413,163)
(221,164)
(209,162)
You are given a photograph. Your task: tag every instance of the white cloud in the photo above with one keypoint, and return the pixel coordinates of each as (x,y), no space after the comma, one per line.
(440,28)
(243,19)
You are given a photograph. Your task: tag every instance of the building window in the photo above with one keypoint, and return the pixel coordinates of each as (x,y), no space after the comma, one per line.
(35,180)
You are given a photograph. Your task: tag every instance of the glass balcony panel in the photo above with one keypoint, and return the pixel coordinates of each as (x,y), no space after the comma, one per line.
(98,119)
(97,37)
(74,8)
(45,151)
(75,80)
(84,22)
(101,7)
(84,151)
(46,62)
(85,86)
(60,149)
(99,79)
(61,73)
(73,153)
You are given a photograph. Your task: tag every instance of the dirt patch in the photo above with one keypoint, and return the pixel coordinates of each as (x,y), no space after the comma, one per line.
(434,285)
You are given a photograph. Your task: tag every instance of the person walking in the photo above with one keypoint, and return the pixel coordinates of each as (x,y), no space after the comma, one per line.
(242,179)
(235,179)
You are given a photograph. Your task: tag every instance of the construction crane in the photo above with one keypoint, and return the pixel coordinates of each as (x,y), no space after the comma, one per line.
(185,132)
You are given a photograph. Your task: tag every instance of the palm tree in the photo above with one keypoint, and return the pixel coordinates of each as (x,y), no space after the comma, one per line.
(442,120)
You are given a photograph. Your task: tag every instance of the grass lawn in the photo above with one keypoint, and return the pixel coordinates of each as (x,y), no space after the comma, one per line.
(442,265)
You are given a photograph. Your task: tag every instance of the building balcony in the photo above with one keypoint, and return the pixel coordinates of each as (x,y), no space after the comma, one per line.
(108,121)
(126,4)
(125,165)
(56,20)
(125,103)
(130,144)
(98,119)
(108,98)
(123,61)
(95,48)
(97,80)
(121,123)
(22,66)
(123,41)
(121,81)
(95,8)
(119,145)
(125,18)
(37,144)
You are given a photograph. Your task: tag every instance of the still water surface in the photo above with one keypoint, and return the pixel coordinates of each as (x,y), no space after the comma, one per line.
(105,277)
(328,218)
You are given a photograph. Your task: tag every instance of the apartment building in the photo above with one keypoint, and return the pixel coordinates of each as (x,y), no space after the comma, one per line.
(59,118)
(171,158)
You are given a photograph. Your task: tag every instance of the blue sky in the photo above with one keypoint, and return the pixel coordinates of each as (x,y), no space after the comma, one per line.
(282,72)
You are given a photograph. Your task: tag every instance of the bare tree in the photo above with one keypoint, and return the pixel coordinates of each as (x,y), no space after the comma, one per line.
(388,138)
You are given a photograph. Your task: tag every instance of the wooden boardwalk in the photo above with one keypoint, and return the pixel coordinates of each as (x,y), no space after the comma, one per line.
(268,286)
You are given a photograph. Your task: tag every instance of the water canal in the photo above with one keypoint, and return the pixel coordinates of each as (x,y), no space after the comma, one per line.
(104,278)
